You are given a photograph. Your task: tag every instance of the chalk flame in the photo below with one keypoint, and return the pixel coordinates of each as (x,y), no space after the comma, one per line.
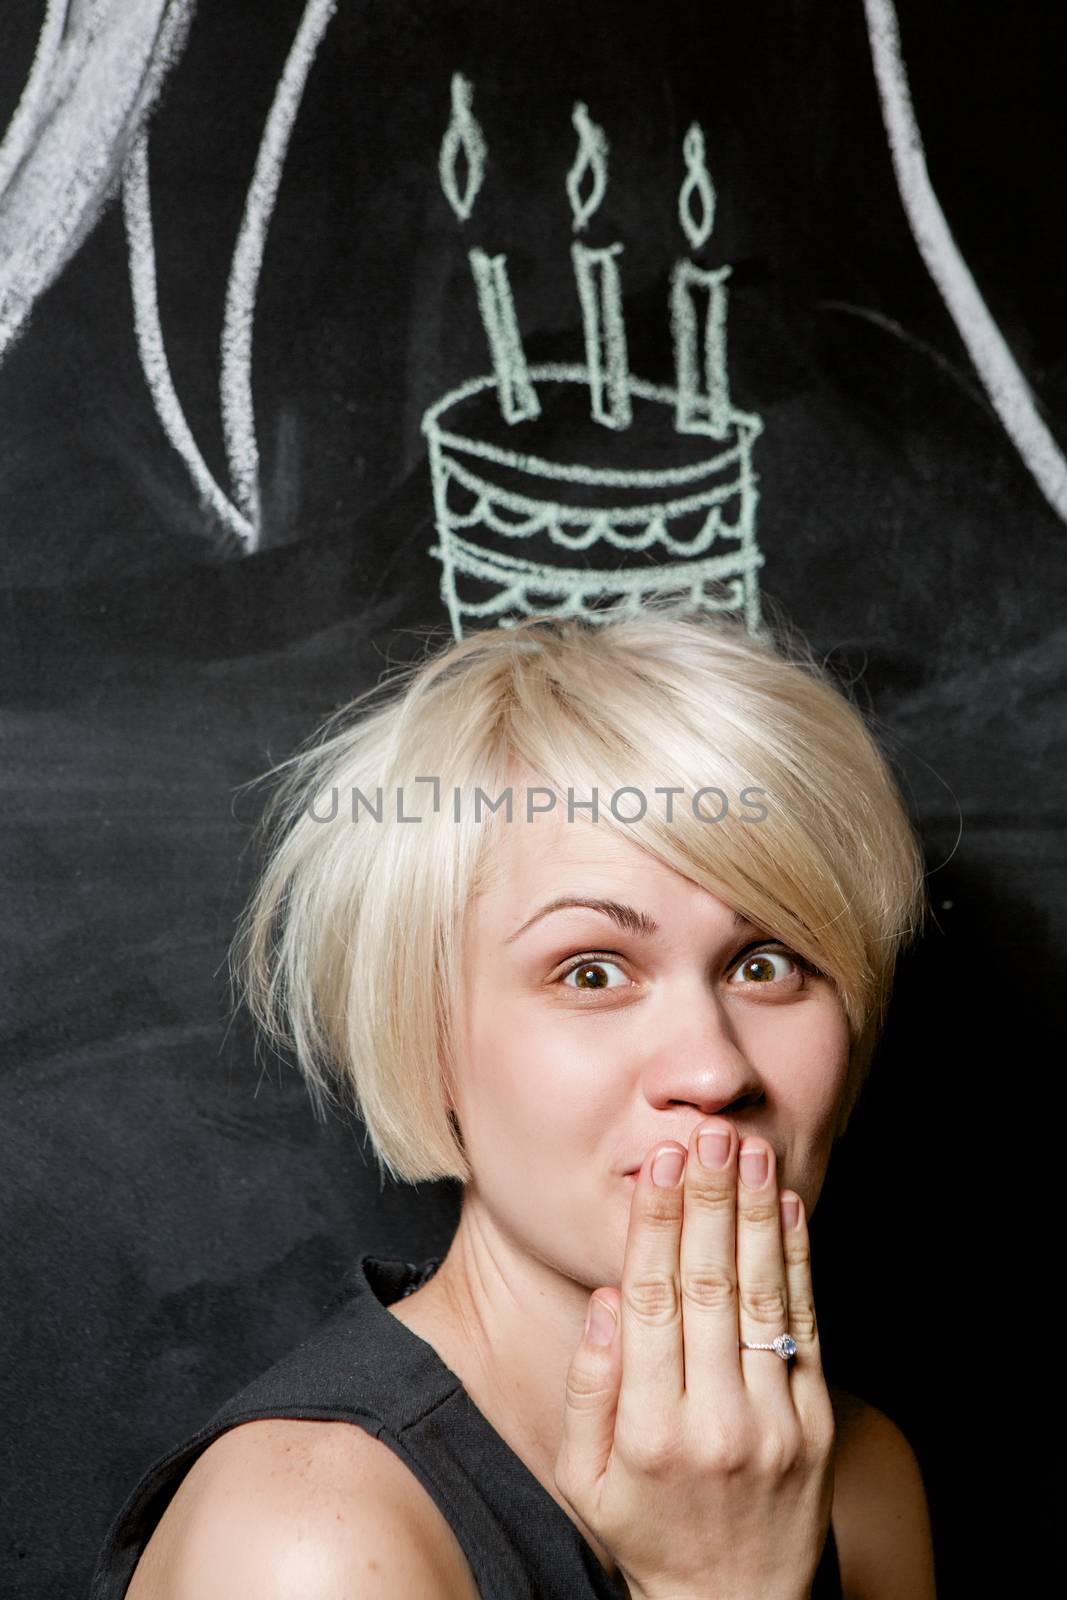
(697,187)
(462,134)
(592,162)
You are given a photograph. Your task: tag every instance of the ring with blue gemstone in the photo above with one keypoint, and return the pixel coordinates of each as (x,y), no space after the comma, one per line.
(785,1346)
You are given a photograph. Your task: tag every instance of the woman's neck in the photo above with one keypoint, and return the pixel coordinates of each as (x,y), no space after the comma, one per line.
(508,1325)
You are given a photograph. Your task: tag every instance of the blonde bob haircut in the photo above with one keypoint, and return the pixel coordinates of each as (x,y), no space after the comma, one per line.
(348,953)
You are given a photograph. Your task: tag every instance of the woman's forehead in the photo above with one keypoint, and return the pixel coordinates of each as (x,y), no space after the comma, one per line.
(531,863)
(550,845)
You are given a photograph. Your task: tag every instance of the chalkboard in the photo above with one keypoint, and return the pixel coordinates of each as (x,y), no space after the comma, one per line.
(328,330)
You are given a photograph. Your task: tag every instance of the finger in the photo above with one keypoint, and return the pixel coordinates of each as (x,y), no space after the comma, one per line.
(763,1307)
(708,1263)
(653,1373)
(590,1399)
(807,1382)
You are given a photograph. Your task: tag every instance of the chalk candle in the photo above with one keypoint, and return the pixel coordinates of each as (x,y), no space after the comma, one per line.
(515,393)
(597,277)
(698,297)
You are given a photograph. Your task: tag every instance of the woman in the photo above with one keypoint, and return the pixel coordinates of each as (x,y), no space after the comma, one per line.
(601,921)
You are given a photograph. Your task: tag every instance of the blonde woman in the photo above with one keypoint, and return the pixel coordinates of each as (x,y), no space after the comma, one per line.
(600,920)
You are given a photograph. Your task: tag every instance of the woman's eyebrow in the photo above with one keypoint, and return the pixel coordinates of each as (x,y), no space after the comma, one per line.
(629,918)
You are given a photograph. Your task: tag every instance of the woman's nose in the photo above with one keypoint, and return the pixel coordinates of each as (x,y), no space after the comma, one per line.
(709,1089)
(701,1063)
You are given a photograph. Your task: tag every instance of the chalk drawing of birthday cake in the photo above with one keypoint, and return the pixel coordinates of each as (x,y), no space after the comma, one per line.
(583,489)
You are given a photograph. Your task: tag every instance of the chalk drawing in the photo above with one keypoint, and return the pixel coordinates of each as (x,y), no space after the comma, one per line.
(483,523)
(960,375)
(238,414)
(23,124)
(96,73)
(511,520)
(697,187)
(993,360)
(698,300)
(78,130)
(243,518)
(590,162)
(515,393)
(79,125)
(600,296)
(703,387)
(599,285)
(462,136)
(532,516)
(137,209)
(518,397)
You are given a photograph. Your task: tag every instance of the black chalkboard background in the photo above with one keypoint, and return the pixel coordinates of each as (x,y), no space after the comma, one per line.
(174,1218)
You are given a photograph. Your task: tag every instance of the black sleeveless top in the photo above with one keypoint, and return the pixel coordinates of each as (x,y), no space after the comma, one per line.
(361,1365)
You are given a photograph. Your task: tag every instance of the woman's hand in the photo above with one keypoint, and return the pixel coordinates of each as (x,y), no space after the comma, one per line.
(706,1470)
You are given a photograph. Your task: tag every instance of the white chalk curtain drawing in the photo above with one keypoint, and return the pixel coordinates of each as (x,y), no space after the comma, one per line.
(239,511)
(80,132)
(994,362)
(506,513)
(81,124)
(97,70)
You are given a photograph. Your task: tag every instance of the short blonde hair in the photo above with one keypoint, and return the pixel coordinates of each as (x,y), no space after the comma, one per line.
(348,953)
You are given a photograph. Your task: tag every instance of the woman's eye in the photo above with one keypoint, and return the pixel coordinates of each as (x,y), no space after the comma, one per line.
(592,974)
(758,967)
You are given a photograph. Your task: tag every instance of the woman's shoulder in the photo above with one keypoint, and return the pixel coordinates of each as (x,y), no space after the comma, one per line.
(881,1520)
(293,1507)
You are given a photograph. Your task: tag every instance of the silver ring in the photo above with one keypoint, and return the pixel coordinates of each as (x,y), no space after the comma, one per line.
(785,1346)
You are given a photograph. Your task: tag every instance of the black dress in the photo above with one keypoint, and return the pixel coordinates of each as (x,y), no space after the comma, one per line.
(362,1365)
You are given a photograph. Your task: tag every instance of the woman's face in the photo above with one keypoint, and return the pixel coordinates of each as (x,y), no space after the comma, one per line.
(583,1043)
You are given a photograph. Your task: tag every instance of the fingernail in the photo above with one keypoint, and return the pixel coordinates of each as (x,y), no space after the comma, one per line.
(713,1149)
(753,1166)
(790,1212)
(667,1168)
(599,1322)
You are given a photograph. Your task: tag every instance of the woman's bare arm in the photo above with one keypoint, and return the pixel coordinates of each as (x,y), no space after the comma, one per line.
(319,1512)
(881,1520)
